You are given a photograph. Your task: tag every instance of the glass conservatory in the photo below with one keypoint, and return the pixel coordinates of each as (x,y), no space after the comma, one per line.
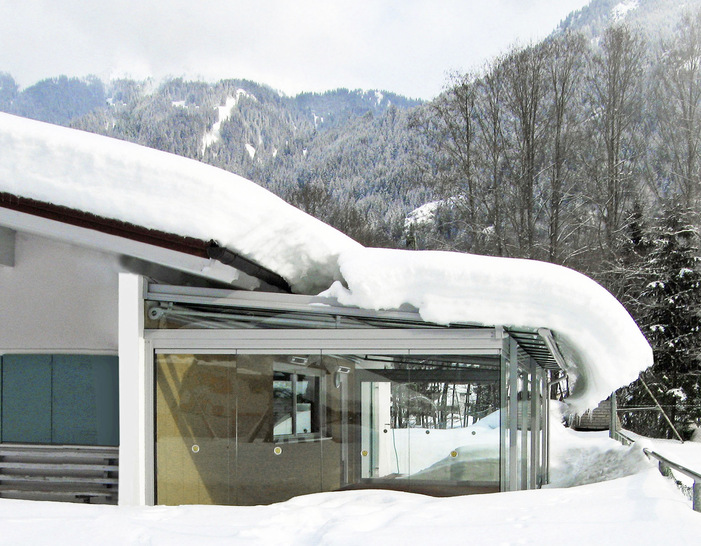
(261,397)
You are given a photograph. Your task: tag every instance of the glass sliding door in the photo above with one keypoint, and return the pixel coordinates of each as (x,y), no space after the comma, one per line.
(337,384)
(427,424)
(240,429)
(194,426)
(280,427)
(260,427)
(456,447)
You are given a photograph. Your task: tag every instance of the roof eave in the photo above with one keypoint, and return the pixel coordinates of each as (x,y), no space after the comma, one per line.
(168,249)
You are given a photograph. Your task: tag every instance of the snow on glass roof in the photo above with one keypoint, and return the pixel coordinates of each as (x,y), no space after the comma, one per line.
(118,180)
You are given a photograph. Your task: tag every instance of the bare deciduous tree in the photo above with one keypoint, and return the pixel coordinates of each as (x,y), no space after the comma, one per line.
(524,73)
(567,55)
(615,83)
(678,101)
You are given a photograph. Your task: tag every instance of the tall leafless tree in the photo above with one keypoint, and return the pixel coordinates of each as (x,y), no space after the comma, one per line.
(678,101)
(567,55)
(525,72)
(492,153)
(615,83)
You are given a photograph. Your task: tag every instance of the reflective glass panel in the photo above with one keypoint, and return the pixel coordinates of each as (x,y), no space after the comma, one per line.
(195,422)
(263,428)
(427,424)
(243,429)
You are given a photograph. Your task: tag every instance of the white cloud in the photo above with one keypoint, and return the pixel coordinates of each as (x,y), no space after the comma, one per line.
(406,47)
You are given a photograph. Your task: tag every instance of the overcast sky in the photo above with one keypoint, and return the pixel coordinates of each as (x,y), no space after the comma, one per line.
(404,46)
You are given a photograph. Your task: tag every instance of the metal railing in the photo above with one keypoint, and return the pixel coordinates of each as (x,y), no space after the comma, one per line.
(666,466)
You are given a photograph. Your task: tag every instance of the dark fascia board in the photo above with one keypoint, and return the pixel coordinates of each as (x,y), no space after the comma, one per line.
(178,243)
(186,245)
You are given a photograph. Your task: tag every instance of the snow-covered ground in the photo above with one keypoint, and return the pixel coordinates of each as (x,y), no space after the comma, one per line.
(635,505)
(643,509)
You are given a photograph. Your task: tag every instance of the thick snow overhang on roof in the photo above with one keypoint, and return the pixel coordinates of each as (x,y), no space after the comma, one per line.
(601,344)
(170,241)
(154,190)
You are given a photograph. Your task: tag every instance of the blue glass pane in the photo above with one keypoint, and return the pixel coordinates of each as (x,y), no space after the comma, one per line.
(26,398)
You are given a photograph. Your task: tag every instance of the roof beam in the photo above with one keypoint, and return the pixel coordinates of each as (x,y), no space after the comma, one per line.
(549,340)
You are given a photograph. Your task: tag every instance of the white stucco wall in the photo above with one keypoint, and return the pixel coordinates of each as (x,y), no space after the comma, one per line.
(58,297)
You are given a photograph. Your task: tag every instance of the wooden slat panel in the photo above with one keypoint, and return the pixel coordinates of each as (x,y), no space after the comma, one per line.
(57,479)
(62,473)
(57,454)
(31,494)
(60,466)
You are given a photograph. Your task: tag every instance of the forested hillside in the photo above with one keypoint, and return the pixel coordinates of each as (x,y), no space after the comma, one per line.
(346,156)
(583,150)
(654,19)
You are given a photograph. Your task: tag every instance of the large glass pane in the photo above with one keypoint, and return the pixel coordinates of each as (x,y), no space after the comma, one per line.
(337,384)
(384,428)
(263,428)
(454,433)
(279,427)
(425,423)
(469,449)
(194,427)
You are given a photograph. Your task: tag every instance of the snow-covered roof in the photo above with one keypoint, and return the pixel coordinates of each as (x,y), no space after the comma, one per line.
(601,343)
(160,191)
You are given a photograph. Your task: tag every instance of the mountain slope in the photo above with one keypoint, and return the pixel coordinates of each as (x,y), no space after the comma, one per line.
(655,19)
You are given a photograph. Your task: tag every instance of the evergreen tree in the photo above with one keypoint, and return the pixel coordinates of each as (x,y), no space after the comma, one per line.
(670,308)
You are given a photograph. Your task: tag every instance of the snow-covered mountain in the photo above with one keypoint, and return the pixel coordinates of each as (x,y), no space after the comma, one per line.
(653,18)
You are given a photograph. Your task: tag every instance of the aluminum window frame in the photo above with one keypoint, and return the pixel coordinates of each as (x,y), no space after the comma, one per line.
(460,340)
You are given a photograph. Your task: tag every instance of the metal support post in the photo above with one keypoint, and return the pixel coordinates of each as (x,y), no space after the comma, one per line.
(613,425)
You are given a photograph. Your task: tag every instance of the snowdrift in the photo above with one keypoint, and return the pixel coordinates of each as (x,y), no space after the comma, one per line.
(600,341)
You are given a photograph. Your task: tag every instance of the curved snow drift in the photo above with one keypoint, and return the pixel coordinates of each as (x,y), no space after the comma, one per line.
(596,335)
(123,181)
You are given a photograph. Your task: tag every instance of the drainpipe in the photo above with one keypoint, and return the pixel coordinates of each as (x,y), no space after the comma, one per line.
(227,257)
(549,340)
